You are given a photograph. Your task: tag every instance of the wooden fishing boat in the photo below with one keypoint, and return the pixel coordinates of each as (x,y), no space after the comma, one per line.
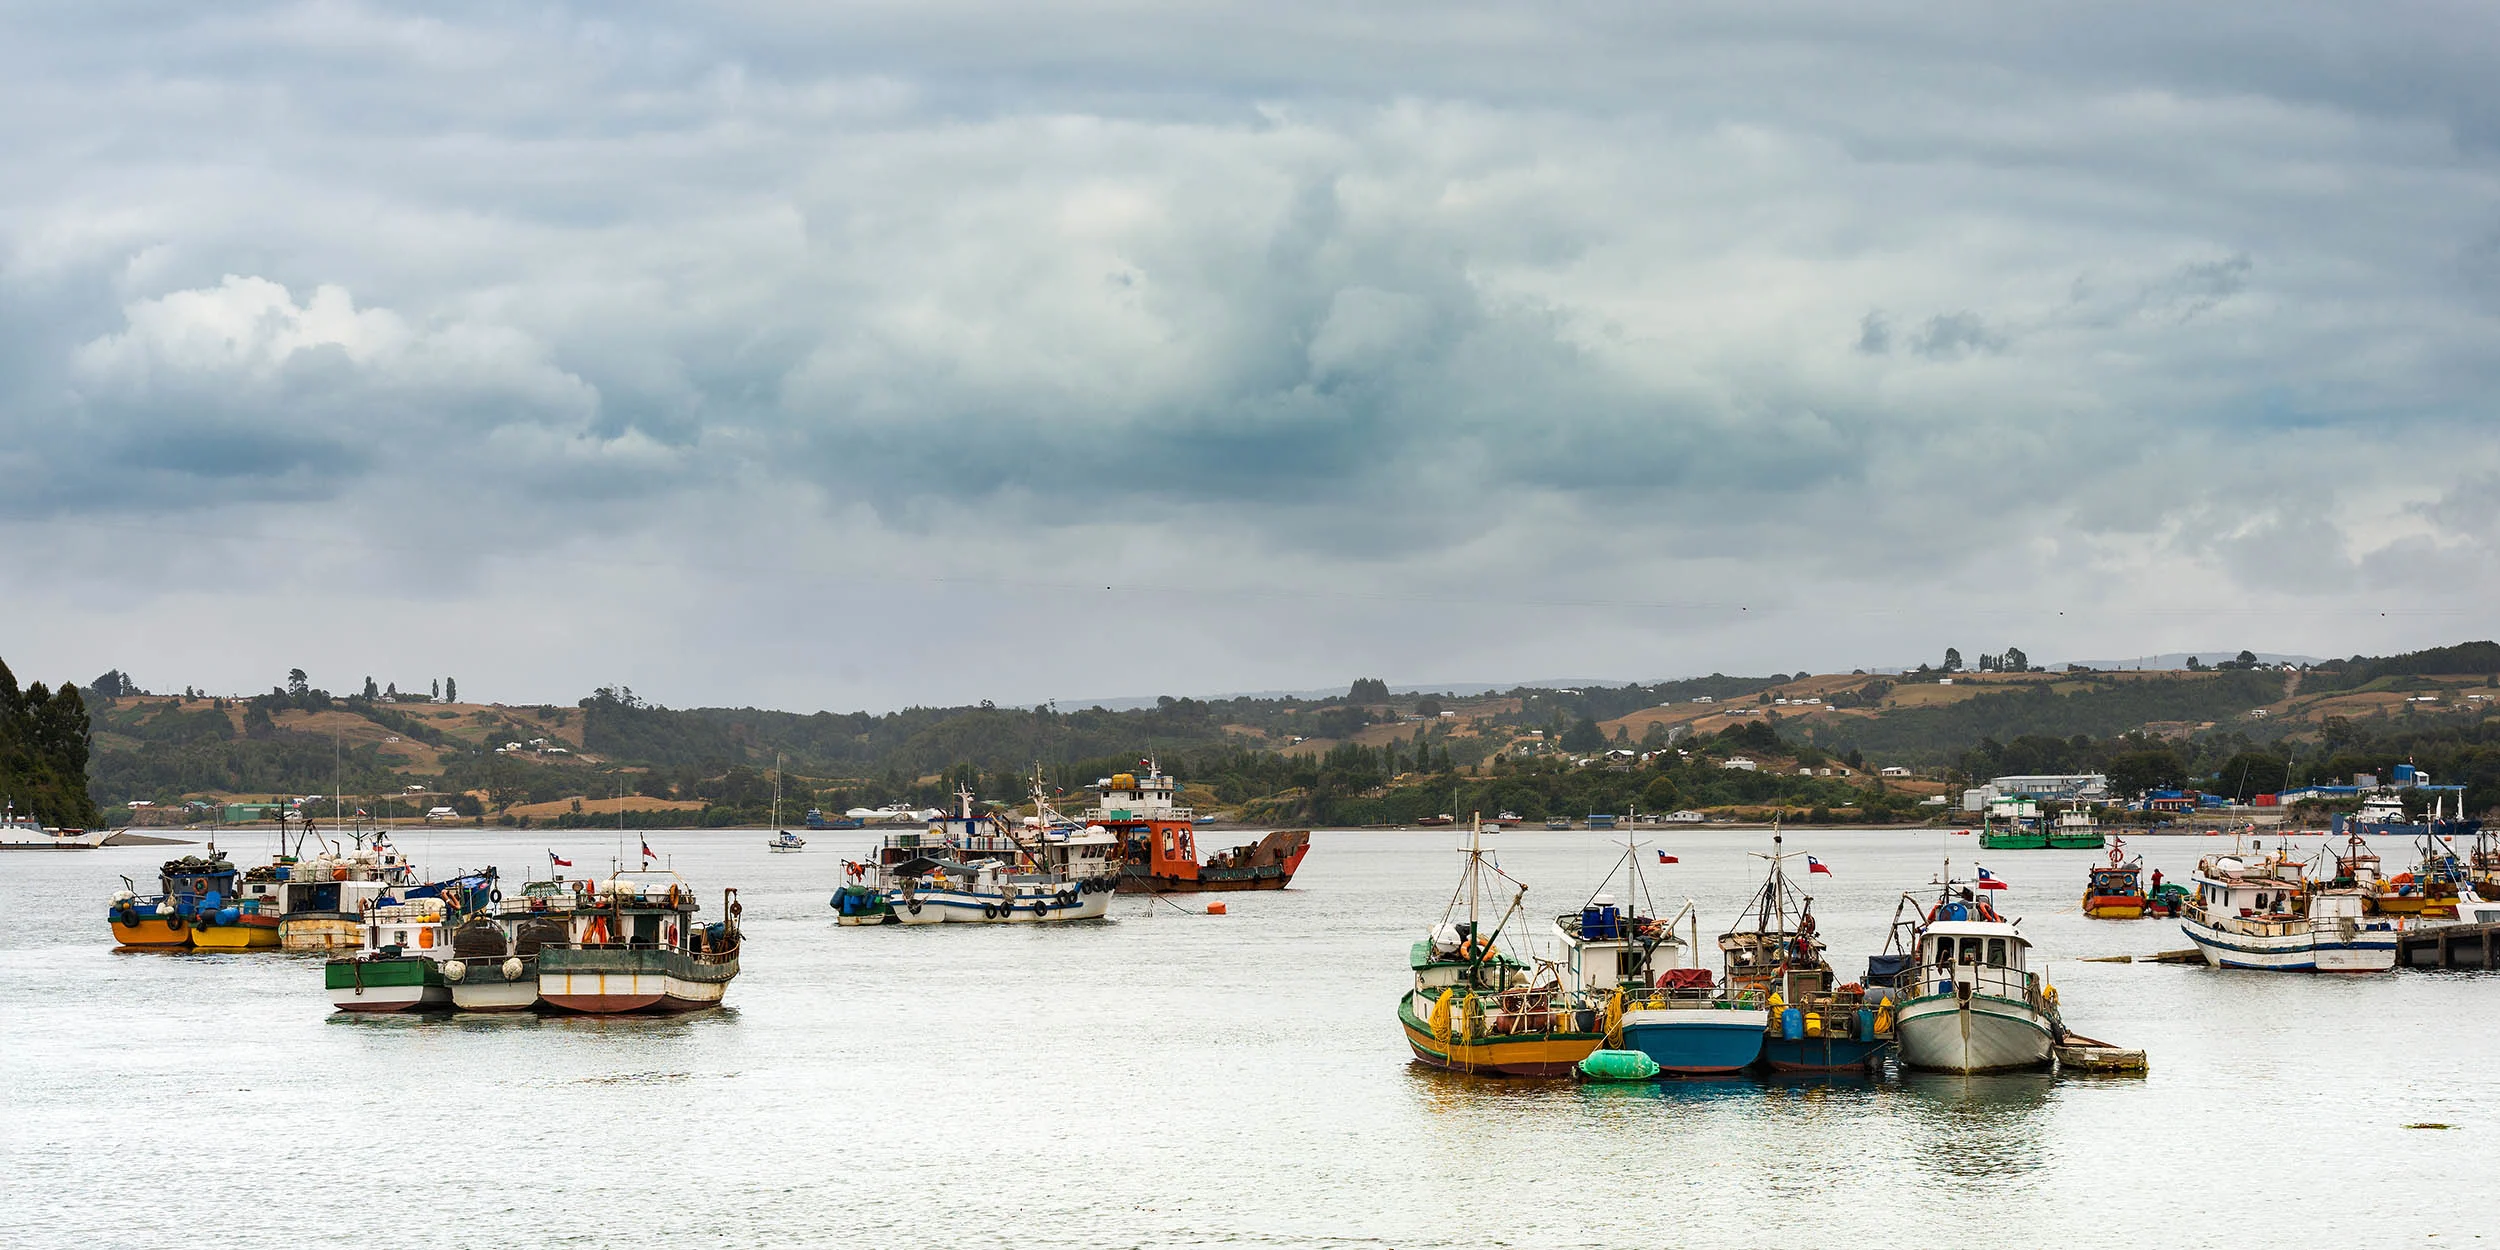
(2115,891)
(1476,1010)
(1774,956)
(494,955)
(187,888)
(398,963)
(1652,1000)
(636,945)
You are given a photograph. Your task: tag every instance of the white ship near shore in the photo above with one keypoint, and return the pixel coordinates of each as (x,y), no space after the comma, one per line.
(20,833)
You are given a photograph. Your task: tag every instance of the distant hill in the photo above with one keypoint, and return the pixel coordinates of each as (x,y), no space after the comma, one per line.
(612,749)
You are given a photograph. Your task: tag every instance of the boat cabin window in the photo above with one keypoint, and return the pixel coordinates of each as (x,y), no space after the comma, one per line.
(1996,952)
(1970,950)
(1944,951)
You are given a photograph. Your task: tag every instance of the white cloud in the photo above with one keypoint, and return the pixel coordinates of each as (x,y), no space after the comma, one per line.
(1798,324)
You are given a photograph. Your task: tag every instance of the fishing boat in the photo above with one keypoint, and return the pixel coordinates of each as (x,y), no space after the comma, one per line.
(1974,1005)
(2075,830)
(399,966)
(2430,889)
(1473,1008)
(2269,915)
(816,819)
(1558,823)
(322,897)
(2115,891)
(408,935)
(248,920)
(187,888)
(1655,1001)
(1773,956)
(982,869)
(637,945)
(1690,1027)
(2018,833)
(494,956)
(1158,848)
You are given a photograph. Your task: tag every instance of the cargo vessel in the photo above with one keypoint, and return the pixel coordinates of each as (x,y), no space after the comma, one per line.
(1158,848)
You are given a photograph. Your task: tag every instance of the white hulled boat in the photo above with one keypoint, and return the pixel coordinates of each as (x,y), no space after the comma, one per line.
(984,870)
(1974,1005)
(2269,916)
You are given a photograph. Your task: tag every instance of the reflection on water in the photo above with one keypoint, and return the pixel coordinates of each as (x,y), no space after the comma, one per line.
(1977,1126)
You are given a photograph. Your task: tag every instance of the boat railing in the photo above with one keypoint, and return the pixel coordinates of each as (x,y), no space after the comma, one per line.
(1684,998)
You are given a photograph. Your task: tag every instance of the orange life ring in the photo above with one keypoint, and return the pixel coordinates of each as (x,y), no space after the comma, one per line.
(338,874)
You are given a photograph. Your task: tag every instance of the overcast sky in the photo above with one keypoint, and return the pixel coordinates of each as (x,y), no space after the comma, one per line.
(876,354)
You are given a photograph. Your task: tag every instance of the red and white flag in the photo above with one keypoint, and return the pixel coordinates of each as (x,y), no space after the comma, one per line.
(1665,858)
(1814,865)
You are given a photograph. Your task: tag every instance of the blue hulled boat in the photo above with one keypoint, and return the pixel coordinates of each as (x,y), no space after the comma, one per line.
(1773,957)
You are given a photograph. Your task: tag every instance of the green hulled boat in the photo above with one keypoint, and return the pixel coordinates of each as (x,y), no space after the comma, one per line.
(2013,840)
(387,983)
(2075,831)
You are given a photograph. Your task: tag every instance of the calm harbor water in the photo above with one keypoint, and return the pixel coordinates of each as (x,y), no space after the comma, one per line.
(1169,1078)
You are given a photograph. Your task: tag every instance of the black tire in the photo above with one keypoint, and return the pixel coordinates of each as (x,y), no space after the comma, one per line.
(1041,907)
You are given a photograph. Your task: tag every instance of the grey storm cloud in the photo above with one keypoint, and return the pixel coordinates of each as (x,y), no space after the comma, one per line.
(1772,329)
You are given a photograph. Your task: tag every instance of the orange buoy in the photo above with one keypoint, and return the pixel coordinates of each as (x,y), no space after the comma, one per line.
(1215,909)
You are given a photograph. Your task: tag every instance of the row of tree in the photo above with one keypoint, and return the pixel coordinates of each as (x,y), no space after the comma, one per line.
(43,752)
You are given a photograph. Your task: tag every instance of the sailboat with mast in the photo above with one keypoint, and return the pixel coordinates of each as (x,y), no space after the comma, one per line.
(1473,1008)
(782,839)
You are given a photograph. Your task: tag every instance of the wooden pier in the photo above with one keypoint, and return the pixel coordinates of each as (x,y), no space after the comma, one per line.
(2449,946)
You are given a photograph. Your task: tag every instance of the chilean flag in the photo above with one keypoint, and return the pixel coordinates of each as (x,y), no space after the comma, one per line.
(647,852)
(560,863)
(1987,882)
(1665,858)
(1814,865)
